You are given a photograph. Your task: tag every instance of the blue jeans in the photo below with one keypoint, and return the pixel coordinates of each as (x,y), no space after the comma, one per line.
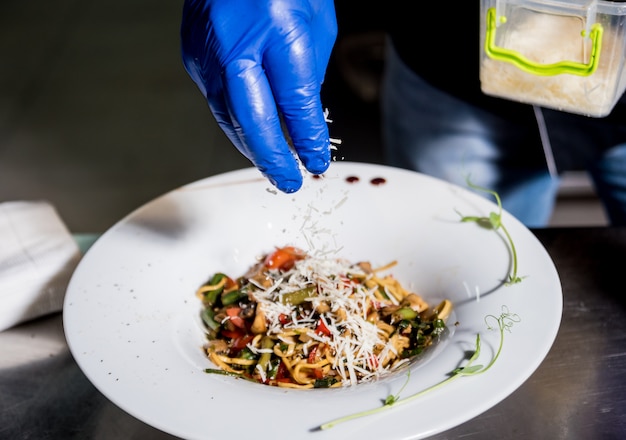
(427,130)
(598,146)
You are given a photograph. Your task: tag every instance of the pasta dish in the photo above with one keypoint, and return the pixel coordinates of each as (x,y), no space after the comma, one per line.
(299,321)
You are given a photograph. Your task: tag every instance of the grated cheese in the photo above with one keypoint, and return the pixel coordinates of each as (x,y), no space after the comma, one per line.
(352,352)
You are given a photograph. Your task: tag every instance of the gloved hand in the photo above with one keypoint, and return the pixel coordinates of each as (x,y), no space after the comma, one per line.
(257,61)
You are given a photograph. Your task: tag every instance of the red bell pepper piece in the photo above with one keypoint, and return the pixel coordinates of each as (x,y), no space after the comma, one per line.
(233,316)
(312,355)
(235,334)
(321,329)
(284,258)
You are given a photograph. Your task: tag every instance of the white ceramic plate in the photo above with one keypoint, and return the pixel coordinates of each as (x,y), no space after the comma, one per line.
(130,312)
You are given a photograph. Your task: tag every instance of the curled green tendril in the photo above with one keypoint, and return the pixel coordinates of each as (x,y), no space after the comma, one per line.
(495,222)
(503,322)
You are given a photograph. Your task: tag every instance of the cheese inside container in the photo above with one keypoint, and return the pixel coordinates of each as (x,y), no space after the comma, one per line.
(567,55)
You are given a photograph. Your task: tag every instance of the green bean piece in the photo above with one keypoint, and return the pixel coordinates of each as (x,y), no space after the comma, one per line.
(324,383)
(208,318)
(232,296)
(297,297)
(246,353)
(439,325)
(273,368)
(405,313)
(264,360)
(211,296)
(216,278)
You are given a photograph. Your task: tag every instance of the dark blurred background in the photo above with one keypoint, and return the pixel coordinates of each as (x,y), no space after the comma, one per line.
(98,116)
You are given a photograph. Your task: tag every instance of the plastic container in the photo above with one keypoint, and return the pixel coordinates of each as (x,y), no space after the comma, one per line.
(566,54)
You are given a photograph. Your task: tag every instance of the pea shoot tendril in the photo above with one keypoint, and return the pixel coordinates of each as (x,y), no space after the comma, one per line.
(495,222)
(502,323)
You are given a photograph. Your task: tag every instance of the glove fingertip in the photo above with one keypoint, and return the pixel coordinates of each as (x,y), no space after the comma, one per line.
(286,178)
(288,186)
(317,159)
(317,165)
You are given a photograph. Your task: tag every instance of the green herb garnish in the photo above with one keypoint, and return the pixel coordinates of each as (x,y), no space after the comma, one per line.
(495,222)
(503,322)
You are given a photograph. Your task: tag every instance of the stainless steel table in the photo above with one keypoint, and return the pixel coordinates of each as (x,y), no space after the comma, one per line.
(578,392)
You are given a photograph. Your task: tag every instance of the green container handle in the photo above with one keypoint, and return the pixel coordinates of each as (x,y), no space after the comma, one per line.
(517,59)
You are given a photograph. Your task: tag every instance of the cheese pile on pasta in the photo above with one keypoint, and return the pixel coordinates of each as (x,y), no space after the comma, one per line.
(300,321)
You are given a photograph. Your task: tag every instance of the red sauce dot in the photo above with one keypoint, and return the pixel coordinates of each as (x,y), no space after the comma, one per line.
(317,176)
(378,181)
(352,179)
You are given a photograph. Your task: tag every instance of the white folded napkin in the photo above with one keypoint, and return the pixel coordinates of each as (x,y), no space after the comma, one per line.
(37,258)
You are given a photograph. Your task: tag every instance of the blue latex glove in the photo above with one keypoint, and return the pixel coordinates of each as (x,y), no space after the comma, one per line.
(257,61)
